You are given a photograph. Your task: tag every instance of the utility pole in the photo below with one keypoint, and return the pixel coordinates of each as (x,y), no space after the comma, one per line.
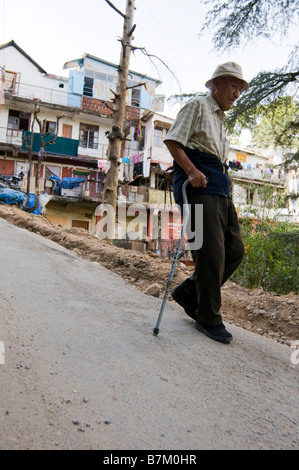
(116,135)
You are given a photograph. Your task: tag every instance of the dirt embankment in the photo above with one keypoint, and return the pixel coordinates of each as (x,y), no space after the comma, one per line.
(258,311)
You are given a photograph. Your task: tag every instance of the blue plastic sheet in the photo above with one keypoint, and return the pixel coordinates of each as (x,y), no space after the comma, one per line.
(13,196)
(65,183)
(31,203)
(71,183)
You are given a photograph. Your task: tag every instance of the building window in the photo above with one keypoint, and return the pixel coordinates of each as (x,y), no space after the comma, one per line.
(49,127)
(89,136)
(88,87)
(17,122)
(11,82)
(135,100)
(67,131)
(52,170)
(158,137)
(249,196)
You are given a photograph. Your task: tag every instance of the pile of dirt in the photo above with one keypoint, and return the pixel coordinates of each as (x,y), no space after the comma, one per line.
(258,311)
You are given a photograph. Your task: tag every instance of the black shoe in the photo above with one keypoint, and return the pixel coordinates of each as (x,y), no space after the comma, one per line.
(180,296)
(216,332)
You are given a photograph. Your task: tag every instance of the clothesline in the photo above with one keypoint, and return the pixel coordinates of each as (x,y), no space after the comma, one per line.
(237,165)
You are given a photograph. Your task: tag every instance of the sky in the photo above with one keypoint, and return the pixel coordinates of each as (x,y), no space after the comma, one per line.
(55,32)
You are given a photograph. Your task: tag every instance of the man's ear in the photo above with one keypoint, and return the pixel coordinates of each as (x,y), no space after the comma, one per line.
(215,84)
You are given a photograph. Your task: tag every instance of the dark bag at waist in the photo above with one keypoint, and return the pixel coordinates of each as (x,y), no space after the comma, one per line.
(219,182)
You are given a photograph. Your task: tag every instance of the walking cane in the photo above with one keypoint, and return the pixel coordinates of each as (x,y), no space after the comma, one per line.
(171,275)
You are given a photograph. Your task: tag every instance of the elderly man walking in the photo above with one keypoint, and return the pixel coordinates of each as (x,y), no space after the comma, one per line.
(199,147)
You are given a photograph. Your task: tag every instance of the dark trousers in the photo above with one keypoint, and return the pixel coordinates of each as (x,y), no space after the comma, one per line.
(221,253)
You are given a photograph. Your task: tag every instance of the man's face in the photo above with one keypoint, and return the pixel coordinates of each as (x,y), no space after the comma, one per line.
(226,90)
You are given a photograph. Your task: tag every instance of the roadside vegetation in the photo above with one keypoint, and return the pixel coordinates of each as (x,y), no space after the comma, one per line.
(271,257)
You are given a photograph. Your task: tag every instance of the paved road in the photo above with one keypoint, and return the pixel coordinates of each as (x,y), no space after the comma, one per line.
(84,371)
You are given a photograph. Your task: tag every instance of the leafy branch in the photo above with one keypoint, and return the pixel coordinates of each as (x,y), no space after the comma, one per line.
(245,20)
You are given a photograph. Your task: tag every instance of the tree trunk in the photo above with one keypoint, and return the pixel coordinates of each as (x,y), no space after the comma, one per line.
(36,110)
(29,147)
(116,135)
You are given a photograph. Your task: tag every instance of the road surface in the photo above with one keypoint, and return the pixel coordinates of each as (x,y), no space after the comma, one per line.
(83,370)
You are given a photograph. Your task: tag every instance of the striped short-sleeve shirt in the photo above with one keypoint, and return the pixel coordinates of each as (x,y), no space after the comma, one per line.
(200,125)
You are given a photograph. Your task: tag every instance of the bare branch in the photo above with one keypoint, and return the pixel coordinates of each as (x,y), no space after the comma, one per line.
(136,86)
(56,131)
(153,56)
(27,140)
(116,9)
(40,125)
(132,30)
(116,95)
(109,107)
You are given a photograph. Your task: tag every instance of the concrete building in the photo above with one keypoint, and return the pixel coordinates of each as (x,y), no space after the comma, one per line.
(73,168)
(84,100)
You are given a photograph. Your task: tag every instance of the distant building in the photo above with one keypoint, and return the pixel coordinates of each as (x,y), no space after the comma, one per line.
(85,101)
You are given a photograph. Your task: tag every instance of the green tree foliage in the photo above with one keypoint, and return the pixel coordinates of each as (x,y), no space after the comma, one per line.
(239,21)
(273,124)
(236,22)
(264,90)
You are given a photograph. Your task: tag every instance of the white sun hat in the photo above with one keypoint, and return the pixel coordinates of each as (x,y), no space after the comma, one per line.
(229,69)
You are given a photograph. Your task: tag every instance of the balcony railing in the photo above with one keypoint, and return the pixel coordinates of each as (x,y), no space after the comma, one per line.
(86,188)
(47,95)
(61,145)
(15,138)
(60,96)
(259,175)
